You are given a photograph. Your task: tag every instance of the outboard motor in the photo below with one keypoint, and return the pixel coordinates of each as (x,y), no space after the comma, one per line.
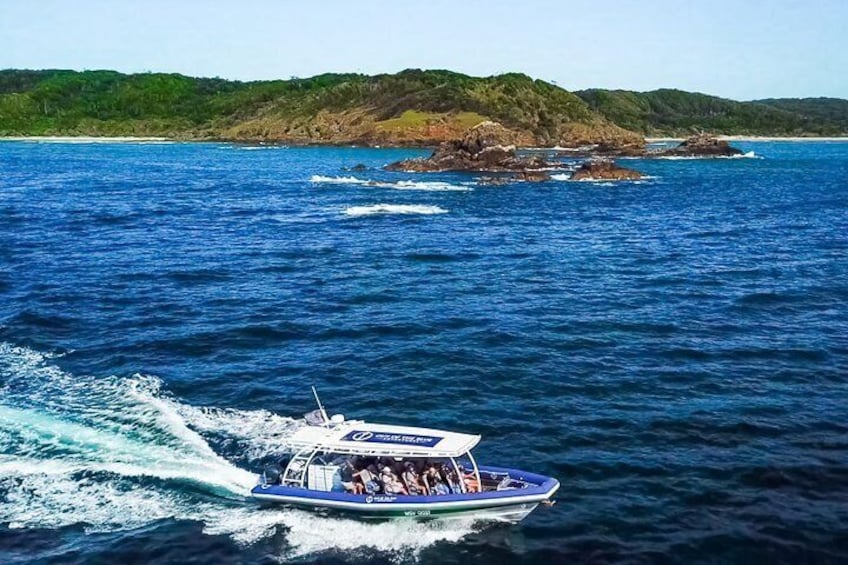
(272,475)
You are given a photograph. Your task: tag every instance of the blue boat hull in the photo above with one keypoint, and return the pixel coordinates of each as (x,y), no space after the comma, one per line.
(505,505)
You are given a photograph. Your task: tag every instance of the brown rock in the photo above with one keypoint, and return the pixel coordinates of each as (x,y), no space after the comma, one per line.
(602,169)
(484,135)
(620,149)
(493,156)
(703,145)
(487,147)
(532,176)
(493,181)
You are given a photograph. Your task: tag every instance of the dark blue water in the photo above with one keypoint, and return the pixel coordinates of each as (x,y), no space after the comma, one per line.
(675,351)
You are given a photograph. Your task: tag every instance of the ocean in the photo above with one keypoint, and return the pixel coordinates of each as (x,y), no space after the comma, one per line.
(673,350)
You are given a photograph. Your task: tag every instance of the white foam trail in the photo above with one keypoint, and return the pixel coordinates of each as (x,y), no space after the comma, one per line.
(431,186)
(604,182)
(117,454)
(358,211)
(312,534)
(258,433)
(122,426)
(748,155)
(69,442)
(425,186)
(319,179)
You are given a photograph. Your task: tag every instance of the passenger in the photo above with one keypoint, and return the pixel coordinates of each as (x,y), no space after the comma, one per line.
(368,476)
(429,476)
(399,467)
(453,482)
(349,482)
(440,487)
(443,472)
(470,480)
(412,481)
(391,484)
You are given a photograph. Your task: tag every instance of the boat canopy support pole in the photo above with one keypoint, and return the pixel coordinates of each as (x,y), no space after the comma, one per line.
(458,476)
(295,472)
(476,472)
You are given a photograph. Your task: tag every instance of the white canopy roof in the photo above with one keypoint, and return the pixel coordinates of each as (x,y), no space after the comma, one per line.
(359,438)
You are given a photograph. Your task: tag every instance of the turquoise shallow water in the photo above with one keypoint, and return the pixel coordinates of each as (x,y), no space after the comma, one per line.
(673,350)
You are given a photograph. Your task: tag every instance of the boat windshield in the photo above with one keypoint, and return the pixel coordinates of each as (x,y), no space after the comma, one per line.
(392,475)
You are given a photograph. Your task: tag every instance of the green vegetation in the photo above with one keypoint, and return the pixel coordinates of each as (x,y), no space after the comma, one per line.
(675,112)
(413,106)
(328,108)
(831,113)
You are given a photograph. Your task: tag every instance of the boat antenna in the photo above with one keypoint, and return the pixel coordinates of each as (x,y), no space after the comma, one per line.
(320,406)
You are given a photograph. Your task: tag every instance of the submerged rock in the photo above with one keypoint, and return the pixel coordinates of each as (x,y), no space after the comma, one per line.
(620,149)
(493,181)
(703,145)
(603,169)
(532,176)
(518,176)
(487,147)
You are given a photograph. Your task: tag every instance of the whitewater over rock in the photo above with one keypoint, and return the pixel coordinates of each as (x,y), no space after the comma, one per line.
(487,147)
(703,145)
(604,169)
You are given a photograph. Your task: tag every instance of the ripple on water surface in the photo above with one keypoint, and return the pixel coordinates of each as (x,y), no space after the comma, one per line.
(673,351)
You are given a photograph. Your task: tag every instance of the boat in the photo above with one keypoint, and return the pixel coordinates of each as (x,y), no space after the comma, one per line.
(327,451)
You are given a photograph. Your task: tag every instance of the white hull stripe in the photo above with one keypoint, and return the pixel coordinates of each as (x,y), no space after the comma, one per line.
(399,507)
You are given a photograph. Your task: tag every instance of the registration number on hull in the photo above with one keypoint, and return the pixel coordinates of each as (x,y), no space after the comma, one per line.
(416,513)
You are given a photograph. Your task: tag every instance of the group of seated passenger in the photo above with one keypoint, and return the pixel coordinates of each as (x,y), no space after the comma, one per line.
(385,475)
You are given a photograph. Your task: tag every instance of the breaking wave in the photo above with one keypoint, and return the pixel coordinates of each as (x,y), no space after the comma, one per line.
(115,453)
(432,186)
(357,211)
(748,155)
(603,182)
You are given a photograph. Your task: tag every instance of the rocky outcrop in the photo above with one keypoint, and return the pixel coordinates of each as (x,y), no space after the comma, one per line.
(520,176)
(703,145)
(620,149)
(532,176)
(603,169)
(487,147)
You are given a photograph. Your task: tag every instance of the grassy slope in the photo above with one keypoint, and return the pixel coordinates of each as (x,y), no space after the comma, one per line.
(411,107)
(675,112)
(408,107)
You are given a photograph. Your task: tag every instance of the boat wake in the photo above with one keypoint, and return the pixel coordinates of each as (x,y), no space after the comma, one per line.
(428,186)
(115,453)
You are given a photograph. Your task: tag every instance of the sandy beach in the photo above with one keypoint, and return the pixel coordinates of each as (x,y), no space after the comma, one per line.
(85,139)
(750,138)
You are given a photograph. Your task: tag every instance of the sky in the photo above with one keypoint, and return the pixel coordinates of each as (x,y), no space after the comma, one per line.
(740,49)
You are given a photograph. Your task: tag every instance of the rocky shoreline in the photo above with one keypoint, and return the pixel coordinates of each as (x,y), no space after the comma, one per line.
(701,145)
(489,147)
